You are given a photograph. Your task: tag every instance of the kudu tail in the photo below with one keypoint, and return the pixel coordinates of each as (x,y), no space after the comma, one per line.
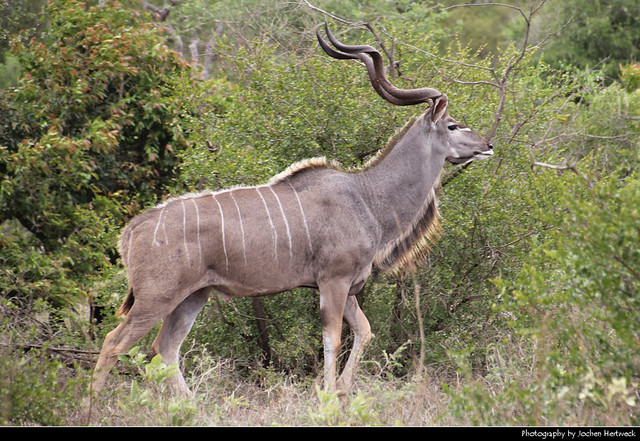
(126,304)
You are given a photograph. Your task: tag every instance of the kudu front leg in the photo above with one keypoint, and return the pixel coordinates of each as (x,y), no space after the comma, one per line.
(333,296)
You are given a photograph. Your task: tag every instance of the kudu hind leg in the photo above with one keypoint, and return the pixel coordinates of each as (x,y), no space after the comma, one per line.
(174,330)
(118,342)
(358,322)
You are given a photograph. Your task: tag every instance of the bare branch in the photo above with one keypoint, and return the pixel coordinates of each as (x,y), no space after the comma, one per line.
(446,60)
(505,5)
(563,167)
(555,166)
(501,80)
(330,15)
(161,14)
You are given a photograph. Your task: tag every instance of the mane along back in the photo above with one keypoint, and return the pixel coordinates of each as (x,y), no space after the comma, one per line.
(323,163)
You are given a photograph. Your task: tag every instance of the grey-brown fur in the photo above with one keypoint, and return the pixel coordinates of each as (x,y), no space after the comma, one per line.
(314,225)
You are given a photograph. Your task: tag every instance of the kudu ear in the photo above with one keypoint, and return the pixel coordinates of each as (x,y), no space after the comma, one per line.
(439,109)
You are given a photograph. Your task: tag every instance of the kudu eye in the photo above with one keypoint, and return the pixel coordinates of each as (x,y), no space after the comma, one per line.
(452,127)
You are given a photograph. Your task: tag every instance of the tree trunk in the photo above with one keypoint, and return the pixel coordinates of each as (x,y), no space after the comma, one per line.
(263,335)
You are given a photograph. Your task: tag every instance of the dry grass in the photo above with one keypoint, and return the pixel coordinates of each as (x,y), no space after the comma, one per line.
(223,398)
(512,393)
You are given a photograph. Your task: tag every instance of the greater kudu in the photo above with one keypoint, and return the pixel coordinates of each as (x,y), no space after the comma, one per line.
(314,225)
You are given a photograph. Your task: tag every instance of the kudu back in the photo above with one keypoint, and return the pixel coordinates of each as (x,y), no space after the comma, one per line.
(314,225)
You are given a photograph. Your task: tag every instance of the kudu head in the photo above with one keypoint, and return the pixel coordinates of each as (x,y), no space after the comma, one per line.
(458,143)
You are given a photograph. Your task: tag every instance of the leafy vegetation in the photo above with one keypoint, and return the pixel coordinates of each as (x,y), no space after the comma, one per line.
(525,312)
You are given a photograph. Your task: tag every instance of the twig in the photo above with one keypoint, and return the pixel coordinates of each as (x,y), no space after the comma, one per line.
(330,15)
(562,167)
(65,353)
(633,272)
(522,237)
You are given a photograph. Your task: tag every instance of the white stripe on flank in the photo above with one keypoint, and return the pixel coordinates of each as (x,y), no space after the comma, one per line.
(224,244)
(184,231)
(273,227)
(155,232)
(304,218)
(164,229)
(198,221)
(286,223)
(244,247)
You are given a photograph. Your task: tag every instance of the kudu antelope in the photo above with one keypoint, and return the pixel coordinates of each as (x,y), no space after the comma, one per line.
(314,225)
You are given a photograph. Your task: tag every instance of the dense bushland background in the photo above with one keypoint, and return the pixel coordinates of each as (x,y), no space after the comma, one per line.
(525,313)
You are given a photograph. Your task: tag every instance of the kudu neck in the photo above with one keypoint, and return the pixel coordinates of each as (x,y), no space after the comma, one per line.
(400,184)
